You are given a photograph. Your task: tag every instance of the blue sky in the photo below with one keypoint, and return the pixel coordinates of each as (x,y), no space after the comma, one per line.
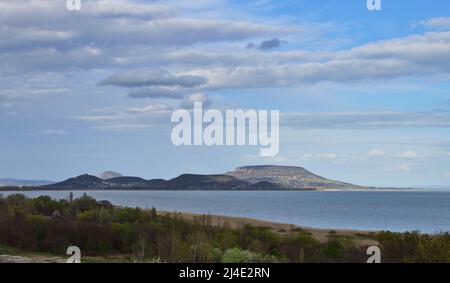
(364,96)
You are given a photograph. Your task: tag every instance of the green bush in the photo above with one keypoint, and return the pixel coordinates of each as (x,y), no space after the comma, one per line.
(236,255)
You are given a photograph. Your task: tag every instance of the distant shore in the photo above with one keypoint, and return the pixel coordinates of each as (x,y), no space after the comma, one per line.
(31,189)
(369,189)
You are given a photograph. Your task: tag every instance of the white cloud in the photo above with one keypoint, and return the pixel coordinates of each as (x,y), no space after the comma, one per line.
(409,154)
(439,22)
(376,152)
(151,109)
(404,167)
(120,127)
(321,156)
(366,120)
(188,103)
(10,94)
(123,8)
(129,119)
(55,132)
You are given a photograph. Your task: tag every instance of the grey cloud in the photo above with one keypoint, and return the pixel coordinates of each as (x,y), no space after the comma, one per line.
(12,38)
(250,45)
(270,44)
(266,45)
(27,12)
(137,23)
(141,78)
(43,35)
(51,59)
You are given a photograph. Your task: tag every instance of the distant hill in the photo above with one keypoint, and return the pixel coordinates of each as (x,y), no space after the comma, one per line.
(16,182)
(243,178)
(183,182)
(86,182)
(207,182)
(288,177)
(109,175)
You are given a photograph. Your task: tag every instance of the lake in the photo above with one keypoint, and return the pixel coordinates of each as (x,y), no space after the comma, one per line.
(427,211)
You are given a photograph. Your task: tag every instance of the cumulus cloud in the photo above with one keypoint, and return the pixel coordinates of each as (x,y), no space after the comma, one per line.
(135,34)
(142,40)
(422,56)
(44,36)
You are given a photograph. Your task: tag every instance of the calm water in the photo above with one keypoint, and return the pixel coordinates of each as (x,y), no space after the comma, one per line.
(393,210)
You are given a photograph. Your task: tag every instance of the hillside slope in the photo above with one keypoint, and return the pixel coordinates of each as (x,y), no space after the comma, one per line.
(288,177)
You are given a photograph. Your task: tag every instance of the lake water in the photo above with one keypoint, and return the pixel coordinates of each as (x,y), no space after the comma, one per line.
(427,211)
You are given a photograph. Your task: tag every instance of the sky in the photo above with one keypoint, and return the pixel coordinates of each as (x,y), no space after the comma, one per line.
(364,96)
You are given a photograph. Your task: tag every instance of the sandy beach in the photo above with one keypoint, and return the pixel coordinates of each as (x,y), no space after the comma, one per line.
(321,235)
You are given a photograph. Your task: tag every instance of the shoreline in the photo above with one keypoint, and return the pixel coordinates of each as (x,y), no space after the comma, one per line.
(361,237)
